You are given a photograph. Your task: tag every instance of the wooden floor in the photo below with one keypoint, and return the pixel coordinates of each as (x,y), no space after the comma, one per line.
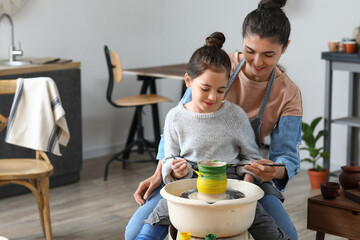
(93,209)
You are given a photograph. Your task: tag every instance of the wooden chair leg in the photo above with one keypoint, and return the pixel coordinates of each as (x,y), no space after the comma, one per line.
(37,192)
(40,208)
(46,207)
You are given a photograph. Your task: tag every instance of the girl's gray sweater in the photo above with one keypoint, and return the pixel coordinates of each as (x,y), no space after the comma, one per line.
(224,135)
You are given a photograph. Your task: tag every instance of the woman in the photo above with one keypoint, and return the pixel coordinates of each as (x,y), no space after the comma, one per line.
(265,33)
(193,130)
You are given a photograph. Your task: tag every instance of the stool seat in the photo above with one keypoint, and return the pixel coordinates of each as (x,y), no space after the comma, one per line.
(140,100)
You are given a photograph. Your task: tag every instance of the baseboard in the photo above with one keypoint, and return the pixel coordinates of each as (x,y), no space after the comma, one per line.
(102,151)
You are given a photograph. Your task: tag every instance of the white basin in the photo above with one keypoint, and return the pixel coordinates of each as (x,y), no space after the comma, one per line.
(14,63)
(224,218)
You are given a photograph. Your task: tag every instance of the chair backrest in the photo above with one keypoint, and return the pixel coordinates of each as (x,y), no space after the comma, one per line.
(114,65)
(115,72)
(6,87)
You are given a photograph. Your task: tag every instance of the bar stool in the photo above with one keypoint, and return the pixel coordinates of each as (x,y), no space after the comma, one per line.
(136,101)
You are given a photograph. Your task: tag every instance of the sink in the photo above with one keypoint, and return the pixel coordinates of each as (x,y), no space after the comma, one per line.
(14,63)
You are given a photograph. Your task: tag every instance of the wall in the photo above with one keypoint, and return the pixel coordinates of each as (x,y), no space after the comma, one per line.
(148,33)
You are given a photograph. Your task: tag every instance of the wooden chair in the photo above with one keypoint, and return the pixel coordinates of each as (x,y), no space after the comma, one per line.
(138,102)
(31,173)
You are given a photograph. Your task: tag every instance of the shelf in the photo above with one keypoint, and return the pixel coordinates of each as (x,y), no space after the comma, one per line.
(348,121)
(341,57)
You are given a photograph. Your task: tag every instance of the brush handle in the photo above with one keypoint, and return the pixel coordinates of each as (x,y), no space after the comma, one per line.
(248,164)
(197,172)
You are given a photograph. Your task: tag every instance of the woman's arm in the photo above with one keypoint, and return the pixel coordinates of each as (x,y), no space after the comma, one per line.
(146,187)
(284,148)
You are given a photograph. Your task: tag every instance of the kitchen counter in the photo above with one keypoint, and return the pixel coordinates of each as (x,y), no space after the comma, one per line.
(35,68)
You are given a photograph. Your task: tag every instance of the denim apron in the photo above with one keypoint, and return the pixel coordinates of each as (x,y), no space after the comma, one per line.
(255,122)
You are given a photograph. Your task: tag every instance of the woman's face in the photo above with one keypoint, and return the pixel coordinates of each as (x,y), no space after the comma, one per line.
(207,91)
(261,55)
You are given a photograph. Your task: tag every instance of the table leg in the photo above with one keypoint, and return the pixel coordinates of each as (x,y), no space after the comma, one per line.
(327,112)
(320,236)
(155,114)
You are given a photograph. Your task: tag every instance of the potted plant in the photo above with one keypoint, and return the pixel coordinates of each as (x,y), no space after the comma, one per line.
(317,174)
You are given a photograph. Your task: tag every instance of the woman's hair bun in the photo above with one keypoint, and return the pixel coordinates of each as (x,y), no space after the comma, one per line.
(216,39)
(272,3)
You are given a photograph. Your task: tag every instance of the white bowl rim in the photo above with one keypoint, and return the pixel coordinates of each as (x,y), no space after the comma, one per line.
(259,193)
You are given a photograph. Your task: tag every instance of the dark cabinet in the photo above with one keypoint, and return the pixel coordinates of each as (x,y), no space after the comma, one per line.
(68,166)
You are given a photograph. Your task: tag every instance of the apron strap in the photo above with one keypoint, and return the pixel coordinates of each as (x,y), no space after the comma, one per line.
(266,96)
(233,75)
(257,122)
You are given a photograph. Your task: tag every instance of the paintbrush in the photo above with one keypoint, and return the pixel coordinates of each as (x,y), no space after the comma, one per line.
(265,164)
(197,172)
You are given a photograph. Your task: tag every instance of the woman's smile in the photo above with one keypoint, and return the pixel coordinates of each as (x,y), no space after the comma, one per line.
(258,68)
(262,55)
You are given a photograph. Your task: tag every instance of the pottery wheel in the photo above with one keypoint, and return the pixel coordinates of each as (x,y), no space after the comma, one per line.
(211,198)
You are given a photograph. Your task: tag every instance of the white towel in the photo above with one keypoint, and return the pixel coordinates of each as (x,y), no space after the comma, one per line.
(37,118)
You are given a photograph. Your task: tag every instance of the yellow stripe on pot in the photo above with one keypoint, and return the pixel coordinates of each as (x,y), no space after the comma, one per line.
(214,180)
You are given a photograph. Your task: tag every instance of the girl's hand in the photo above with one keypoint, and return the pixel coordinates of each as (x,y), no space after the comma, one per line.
(266,173)
(179,168)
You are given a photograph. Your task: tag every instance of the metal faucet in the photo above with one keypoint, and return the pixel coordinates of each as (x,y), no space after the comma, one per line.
(13,52)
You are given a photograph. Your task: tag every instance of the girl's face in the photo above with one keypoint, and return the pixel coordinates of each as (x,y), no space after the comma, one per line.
(261,55)
(207,91)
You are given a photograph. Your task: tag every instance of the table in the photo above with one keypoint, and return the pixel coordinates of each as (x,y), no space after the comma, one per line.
(351,63)
(340,217)
(148,76)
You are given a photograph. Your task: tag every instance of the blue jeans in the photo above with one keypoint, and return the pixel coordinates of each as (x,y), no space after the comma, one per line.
(142,213)
(149,232)
(274,207)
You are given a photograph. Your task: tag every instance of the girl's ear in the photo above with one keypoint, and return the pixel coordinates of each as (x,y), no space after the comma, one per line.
(284,49)
(187,80)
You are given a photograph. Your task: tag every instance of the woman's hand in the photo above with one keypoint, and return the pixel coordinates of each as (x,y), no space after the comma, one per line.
(179,168)
(146,187)
(266,173)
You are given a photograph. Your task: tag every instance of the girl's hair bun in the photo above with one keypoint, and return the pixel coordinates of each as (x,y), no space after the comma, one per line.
(216,39)
(272,3)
